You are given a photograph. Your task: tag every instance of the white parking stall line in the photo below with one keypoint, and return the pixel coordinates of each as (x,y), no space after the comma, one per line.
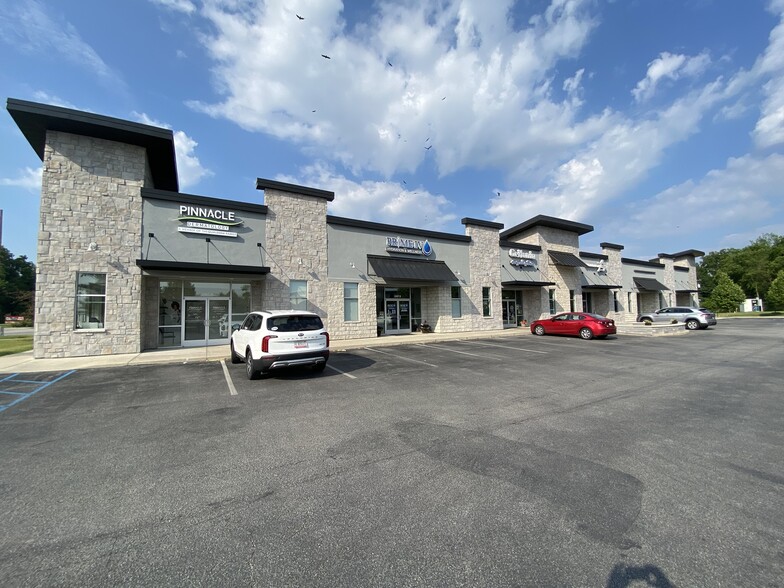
(232,389)
(455,351)
(332,367)
(502,346)
(401,357)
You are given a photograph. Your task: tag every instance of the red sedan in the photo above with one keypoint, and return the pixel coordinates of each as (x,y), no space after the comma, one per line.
(586,325)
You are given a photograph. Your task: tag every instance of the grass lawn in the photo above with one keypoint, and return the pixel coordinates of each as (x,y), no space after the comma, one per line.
(15,344)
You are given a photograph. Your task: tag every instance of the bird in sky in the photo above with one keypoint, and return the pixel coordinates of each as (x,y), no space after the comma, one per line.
(444,98)
(429,147)
(326,56)
(404,183)
(389,63)
(300,17)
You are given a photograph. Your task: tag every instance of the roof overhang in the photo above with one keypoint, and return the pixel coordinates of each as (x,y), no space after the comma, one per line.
(35,120)
(548,221)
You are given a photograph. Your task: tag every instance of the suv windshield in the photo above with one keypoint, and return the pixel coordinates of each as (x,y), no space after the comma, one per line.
(294,322)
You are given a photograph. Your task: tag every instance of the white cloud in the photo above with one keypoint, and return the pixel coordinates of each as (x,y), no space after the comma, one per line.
(28,26)
(746,193)
(769,130)
(46,98)
(184,6)
(29,179)
(461,75)
(189,169)
(672,67)
(378,201)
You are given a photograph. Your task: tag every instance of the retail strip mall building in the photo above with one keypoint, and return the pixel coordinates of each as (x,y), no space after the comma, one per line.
(126,262)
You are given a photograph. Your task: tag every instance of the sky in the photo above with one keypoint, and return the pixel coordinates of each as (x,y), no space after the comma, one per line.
(658,122)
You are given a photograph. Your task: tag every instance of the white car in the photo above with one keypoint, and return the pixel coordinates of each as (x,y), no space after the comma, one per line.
(269,340)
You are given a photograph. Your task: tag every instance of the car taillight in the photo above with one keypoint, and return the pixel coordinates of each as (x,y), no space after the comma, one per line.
(327,336)
(265,343)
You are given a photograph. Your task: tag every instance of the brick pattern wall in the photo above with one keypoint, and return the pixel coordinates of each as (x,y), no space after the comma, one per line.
(296,249)
(669,281)
(366,326)
(484,258)
(90,188)
(615,276)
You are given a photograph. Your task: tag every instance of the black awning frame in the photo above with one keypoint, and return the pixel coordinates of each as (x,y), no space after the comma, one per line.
(207,268)
(413,270)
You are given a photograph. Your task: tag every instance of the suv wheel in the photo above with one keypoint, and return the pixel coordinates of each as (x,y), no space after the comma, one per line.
(692,324)
(250,366)
(234,357)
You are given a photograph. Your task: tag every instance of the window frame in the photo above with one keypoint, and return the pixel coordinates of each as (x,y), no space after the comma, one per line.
(457,305)
(347,298)
(295,302)
(79,297)
(487,307)
(551,300)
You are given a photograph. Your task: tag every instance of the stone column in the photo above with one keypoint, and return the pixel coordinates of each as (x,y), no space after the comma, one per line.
(484,259)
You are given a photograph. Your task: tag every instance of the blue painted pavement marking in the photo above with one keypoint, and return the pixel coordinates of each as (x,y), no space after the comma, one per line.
(25,395)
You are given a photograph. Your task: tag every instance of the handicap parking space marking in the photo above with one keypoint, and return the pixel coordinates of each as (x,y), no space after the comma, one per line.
(229,381)
(502,346)
(15,396)
(401,357)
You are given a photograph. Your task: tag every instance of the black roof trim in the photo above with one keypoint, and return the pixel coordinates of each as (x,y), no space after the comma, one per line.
(606,245)
(35,119)
(203,200)
(482,223)
(360,224)
(589,255)
(640,262)
(518,284)
(665,256)
(263,184)
(689,253)
(215,268)
(513,245)
(548,221)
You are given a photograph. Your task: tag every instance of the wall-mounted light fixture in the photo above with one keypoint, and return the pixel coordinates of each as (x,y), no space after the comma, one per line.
(151,235)
(351,264)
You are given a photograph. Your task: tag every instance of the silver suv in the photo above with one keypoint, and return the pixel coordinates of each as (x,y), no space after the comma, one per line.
(695,318)
(268,340)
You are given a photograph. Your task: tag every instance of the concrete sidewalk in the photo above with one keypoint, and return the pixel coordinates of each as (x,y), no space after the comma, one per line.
(25,363)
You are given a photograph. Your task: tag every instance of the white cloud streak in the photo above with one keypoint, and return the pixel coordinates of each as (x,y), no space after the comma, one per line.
(28,179)
(189,169)
(670,67)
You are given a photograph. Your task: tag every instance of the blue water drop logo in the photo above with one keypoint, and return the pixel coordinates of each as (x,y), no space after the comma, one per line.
(426,248)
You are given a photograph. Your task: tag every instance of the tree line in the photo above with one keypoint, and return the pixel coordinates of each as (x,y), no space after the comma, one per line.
(729,276)
(17,285)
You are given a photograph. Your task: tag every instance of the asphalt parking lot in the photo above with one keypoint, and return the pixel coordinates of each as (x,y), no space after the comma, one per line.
(521,461)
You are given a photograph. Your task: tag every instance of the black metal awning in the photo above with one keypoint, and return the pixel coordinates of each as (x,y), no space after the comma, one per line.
(686,291)
(525,284)
(567,259)
(211,268)
(591,280)
(649,284)
(416,270)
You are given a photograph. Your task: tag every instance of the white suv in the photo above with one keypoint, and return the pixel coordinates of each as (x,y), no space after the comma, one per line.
(268,340)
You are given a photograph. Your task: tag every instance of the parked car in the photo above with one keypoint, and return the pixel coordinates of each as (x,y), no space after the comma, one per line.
(586,325)
(694,318)
(268,340)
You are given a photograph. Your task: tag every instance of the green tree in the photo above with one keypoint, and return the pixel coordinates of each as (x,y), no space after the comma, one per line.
(17,284)
(775,297)
(726,295)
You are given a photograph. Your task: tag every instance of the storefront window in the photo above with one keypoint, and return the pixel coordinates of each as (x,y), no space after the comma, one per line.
(485,301)
(457,310)
(416,308)
(298,294)
(551,296)
(616,304)
(571,300)
(240,304)
(170,313)
(90,301)
(207,289)
(351,301)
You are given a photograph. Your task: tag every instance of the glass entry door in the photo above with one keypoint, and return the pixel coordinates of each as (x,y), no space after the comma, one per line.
(206,321)
(509,313)
(397,317)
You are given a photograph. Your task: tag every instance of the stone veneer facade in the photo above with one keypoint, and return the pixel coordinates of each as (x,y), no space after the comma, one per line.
(90,193)
(296,249)
(484,258)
